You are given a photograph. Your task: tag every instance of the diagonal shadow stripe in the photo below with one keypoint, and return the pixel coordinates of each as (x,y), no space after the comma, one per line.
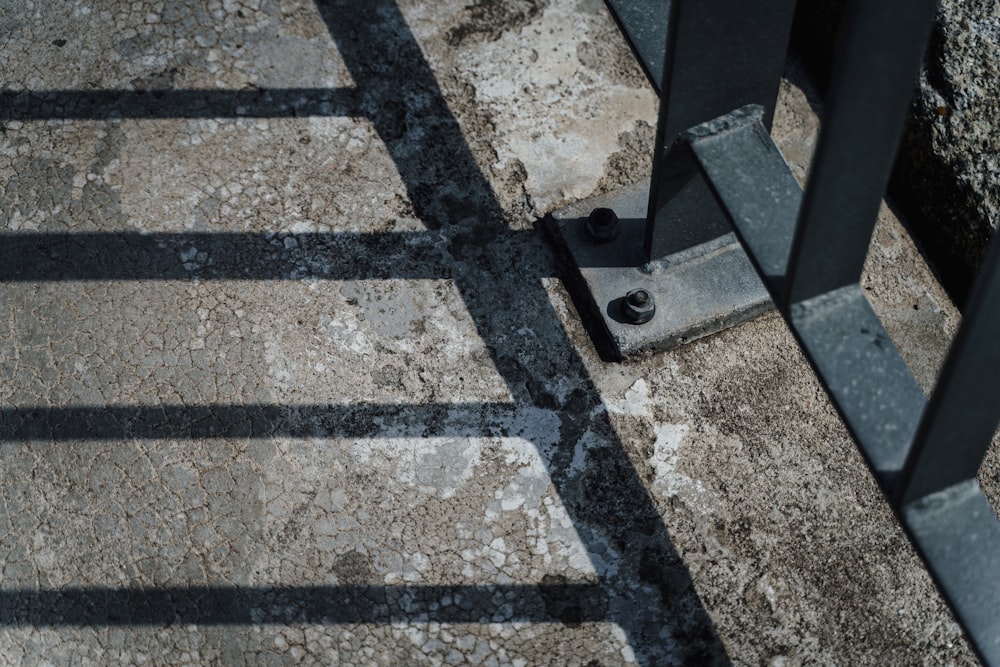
(221,605)
(221,256)
(357,420)
(606,499)
(27,105)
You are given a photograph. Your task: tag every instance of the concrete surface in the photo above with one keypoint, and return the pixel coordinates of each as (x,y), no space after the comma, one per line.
(366,426)
(952,146)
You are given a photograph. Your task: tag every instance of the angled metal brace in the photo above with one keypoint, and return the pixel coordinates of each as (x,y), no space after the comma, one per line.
(673,243)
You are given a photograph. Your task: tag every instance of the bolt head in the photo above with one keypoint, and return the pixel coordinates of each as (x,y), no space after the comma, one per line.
(638,298)
(603,225)
(638,306)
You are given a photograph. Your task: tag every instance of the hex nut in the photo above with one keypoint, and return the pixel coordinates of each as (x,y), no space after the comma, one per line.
(603,225)
(638,306)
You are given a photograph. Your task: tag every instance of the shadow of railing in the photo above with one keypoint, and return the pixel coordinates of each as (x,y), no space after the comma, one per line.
(29,256)
(222,605)
(121,422)
(161,104)
(491,267)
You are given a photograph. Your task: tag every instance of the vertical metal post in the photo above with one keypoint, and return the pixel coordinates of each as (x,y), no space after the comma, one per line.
(937,494)
(881,47)
(721,70)
(963,413)
(721,55)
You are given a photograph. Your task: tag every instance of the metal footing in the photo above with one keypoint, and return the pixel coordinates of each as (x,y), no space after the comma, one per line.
(696,292)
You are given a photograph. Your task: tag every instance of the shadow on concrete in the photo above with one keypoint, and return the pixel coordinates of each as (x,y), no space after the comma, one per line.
(221,256)
(221,605)
(357,420)
(27,105)
(647,591)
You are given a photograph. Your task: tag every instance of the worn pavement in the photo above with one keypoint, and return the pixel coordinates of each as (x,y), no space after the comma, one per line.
(289,375)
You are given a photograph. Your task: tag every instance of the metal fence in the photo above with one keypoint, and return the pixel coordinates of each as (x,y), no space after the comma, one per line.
(722,203)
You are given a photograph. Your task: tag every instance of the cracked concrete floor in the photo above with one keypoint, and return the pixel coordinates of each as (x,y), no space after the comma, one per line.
(289,377)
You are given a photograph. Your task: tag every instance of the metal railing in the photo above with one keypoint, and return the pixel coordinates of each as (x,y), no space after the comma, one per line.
(716,171)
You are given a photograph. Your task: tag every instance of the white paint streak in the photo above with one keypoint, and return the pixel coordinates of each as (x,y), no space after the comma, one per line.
(667,481)
(635,402)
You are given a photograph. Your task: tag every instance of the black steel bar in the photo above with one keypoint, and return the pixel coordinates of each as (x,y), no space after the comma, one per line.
(863,373)
(963,413)
(644,24)
(751,183)
(880,54)
(720,55)
(958,535)
(842,337)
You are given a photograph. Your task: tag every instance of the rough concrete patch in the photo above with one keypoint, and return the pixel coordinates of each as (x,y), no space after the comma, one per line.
(291,176)
(544,117)
(634,157)
(50,191)
(238,343)
(418,644)
(224,45)
(989,475)
(796,126)
(915,310)
(955,113)
(607,52)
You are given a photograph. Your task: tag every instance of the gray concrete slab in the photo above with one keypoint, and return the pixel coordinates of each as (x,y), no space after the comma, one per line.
(369,428)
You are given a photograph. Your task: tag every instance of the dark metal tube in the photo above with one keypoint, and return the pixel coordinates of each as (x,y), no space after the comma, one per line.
(721,55)
(880,51)
(963,413)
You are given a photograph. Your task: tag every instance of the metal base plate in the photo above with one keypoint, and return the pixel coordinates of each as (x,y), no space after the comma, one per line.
(697,292)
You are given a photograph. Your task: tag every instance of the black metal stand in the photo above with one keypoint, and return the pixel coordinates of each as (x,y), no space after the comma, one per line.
(706,58)
(694,293)
(716,171)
